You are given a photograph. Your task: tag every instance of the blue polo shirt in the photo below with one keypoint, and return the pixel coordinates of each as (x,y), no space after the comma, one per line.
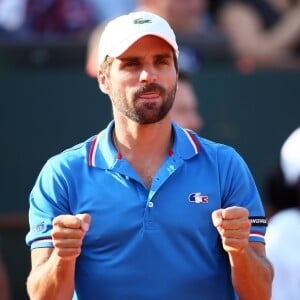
(147,244)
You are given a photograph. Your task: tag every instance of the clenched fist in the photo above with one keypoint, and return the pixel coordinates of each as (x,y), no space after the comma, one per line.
(68,233)
(233,225)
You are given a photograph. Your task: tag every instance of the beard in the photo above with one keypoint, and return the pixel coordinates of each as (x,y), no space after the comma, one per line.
(147,112)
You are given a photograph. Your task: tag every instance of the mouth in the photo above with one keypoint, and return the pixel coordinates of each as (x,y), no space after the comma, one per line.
(148,92)
(149,96)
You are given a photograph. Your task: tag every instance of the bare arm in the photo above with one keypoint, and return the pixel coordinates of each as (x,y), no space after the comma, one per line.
(248,37)
(51,277)
(53,269)
(252,273)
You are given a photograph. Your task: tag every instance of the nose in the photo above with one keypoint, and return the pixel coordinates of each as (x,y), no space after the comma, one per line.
(148,75)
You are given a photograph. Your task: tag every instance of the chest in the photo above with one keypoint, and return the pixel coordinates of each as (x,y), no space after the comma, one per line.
(121,206)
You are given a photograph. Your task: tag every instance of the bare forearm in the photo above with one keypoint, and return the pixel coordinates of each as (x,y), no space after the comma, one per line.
(286,34)
(251,272)
(251,275)
(249,38)
(54,279)
(53,269)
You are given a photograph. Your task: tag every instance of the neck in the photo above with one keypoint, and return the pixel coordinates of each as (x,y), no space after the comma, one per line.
(145,148)
(148,140)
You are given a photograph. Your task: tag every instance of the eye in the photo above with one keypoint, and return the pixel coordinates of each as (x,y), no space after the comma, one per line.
(163,61)
(131,63)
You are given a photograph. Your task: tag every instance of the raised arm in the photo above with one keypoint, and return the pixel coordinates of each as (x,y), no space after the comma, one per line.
(53,269)
(252,273)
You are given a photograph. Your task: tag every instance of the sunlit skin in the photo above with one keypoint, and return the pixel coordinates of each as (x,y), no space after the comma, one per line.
(142,93)
(139,90)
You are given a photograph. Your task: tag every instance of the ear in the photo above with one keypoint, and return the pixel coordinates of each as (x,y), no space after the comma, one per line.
(103,82)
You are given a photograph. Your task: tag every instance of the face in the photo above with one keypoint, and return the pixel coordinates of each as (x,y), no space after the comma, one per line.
(184,111)
(142,82)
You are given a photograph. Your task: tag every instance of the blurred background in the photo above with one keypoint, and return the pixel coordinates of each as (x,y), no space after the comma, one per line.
(246,78)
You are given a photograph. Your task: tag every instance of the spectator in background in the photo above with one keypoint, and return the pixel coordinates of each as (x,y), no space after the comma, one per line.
(283,233)
(197,36)
(12,16)
(185,16)
(56,18)
(279,195)
(185,107)
(60,18)
(109,10)
(262,33)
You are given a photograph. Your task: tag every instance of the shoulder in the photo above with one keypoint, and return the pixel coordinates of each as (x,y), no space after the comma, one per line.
(227,161)
(225,157)
(76,154)
(220,150)
(190,144)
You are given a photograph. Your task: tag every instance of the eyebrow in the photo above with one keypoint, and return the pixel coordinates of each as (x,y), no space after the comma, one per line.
(156,56)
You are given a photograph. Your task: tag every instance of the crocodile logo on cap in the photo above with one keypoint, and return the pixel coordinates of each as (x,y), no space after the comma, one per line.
(141,21)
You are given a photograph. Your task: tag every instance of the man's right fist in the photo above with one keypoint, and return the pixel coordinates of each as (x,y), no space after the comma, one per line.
(68,233)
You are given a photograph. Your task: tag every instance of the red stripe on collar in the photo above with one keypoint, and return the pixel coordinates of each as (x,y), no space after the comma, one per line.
(92,152)
(193,140)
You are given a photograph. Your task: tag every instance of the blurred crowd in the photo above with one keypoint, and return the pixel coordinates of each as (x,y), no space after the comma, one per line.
(72,19)
(250,34)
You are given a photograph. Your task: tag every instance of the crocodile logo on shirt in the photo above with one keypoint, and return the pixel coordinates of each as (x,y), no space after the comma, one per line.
(38,227)
(198,198)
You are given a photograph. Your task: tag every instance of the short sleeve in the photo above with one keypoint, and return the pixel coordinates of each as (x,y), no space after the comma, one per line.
(47,200)
(239,189)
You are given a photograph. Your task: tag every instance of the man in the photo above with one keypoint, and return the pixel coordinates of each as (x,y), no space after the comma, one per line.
(146,209)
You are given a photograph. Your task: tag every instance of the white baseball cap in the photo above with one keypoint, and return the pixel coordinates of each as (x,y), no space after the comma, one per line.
(120,33)
(290,157)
